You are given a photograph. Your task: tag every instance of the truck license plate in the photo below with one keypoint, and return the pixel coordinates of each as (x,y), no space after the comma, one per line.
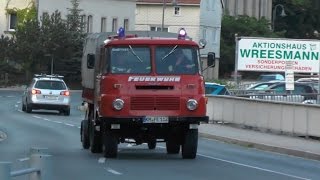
(156,119)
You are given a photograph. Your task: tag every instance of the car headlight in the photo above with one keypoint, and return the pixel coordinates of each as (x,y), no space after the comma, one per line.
(192,104)
(118,104)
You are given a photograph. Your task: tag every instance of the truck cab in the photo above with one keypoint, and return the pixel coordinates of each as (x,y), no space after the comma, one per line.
(147,89)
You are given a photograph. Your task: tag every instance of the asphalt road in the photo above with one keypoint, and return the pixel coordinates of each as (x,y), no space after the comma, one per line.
(60,134)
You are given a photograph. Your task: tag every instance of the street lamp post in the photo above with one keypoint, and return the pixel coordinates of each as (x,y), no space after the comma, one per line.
(163,11)
(164,5)
(283,14)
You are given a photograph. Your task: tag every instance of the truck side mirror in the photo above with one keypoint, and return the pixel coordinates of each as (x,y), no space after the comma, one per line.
(211,59)
(90,61)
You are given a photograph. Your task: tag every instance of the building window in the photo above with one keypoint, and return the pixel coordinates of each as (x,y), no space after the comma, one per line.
(214,35)
(89,24)
(114,25)
(103,24)
(204,33)
(126,24)
(12,23)
(177,11)
(83,22)
(158,28)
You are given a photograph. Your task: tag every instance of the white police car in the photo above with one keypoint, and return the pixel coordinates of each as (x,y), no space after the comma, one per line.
(48,92)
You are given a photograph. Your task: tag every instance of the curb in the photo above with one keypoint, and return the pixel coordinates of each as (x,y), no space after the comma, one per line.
(265,147)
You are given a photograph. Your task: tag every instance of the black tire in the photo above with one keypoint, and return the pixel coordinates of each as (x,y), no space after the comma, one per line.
(84,134)
(23,108)
(95,140)
(110,145)
(28,108)
(190,144)
(172,147)
(66,112)
(152,144)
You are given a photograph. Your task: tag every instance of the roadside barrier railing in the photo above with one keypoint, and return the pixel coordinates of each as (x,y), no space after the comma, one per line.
(39,166)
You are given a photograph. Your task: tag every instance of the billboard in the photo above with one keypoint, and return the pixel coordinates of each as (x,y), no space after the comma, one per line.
(270,54)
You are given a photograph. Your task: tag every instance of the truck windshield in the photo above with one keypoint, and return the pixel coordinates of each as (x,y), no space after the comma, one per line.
(130,59)
(176,60)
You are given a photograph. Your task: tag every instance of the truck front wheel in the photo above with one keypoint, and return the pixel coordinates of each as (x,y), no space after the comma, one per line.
(190,144)
(95,140)
(110,145)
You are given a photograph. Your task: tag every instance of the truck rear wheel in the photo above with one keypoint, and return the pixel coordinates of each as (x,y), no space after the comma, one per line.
(110,145)
(190,144)
(84,134)
(172,147)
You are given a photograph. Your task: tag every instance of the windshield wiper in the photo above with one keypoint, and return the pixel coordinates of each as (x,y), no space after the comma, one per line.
(172,50)
(134,53)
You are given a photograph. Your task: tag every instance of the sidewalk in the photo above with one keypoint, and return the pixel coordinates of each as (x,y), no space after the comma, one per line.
(306,148)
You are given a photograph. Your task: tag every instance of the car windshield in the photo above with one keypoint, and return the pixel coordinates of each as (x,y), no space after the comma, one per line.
(130,59)
(176,60)
(47,84)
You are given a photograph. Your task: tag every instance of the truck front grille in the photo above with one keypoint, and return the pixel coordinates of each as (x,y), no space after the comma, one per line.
(155,103)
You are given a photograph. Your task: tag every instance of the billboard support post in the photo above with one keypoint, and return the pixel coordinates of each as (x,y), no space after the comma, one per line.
(236,61)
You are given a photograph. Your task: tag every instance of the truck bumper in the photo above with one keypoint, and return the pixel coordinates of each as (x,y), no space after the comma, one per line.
(139,120)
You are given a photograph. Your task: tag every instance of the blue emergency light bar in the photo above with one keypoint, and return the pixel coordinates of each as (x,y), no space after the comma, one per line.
(121,33)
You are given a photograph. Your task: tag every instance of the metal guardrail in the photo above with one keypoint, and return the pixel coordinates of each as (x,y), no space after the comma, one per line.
(39,166)
(305,98)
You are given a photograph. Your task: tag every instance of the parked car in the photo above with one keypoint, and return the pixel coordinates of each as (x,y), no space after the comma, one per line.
(216,89)
(270,77)
(48,92)
(262,85)
(303,92)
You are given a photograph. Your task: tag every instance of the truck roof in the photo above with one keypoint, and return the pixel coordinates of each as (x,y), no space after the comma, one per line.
(143,38)
(151,41)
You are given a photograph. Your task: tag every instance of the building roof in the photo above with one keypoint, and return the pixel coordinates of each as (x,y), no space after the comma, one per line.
(196,2)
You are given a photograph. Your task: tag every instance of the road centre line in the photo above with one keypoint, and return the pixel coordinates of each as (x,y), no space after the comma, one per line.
(69,124)
(113,171)
(101,160)
(248,166)
(37,117)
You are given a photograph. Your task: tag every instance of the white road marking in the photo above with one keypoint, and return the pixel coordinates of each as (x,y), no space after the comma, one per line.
(10,96)
(113,171)
(19,102)
(24,159)
(78,127)
(253,167)
(248,166)
(58,122)
(37,117)
(68,124)
(102,160)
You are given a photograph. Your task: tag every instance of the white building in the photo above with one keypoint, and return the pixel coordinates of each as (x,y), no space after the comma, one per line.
(200,18)
(98,15)
(253,8)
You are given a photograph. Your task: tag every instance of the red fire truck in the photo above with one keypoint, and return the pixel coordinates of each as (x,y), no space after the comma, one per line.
(142,89)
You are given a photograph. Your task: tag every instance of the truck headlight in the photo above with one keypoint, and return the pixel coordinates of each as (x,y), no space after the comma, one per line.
(118,104)
(192,104)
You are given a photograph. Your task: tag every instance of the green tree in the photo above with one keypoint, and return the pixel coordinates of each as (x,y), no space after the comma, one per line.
(302,18)
(27,41)
(242,26)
